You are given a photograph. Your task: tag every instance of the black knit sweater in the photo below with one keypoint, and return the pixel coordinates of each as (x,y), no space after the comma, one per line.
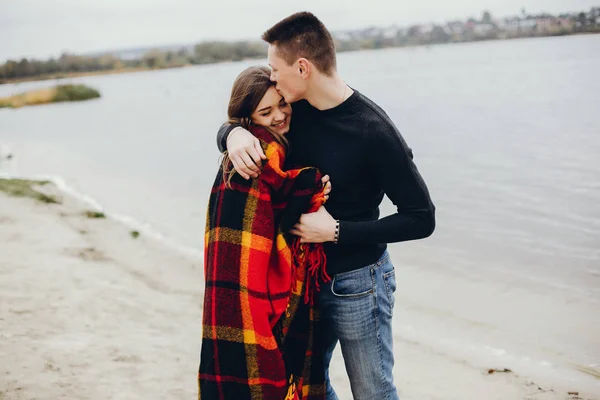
(360,148)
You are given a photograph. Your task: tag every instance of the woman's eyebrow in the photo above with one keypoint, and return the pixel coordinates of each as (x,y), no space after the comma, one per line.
(263,109)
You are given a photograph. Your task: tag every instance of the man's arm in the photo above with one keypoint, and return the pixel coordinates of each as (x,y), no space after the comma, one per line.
(243,148)
(391,162)
(223,134)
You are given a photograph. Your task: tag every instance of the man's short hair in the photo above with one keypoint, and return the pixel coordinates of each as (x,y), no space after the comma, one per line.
(303,35)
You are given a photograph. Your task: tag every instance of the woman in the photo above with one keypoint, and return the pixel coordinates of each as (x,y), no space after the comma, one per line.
(260,335)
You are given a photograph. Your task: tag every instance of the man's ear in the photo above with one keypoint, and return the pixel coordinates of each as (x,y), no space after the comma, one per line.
(304,68)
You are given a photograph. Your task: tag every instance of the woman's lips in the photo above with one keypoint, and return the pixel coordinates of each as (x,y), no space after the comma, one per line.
(282,124)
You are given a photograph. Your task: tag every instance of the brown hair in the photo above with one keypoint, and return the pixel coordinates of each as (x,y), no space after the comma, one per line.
(248,90)
(303,35)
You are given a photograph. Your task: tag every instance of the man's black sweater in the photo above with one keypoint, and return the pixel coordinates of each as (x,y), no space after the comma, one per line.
(359,147)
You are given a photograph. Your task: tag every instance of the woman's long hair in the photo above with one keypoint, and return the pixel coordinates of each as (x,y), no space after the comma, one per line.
(248,90)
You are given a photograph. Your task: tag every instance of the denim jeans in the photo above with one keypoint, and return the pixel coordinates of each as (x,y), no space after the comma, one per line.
(356,308)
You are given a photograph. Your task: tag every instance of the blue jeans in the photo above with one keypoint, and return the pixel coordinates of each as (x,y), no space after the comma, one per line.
(356,309)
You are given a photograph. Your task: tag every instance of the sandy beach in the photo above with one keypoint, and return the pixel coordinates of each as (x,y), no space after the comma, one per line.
(89,312)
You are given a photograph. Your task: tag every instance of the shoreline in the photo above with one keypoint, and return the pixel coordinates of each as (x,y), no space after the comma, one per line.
(56,94)
(91,312)
(93,205)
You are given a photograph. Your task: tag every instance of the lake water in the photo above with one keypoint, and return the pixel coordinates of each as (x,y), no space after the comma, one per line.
(506,134)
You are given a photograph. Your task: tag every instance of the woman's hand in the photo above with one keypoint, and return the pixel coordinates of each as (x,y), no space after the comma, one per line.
(245,152)
(327,186)
(317,227)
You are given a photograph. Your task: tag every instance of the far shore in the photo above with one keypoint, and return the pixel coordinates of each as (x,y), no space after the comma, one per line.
(67,75)
(82,74)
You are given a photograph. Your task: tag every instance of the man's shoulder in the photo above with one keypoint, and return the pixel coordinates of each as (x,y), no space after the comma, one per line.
(370,109)
(374,115)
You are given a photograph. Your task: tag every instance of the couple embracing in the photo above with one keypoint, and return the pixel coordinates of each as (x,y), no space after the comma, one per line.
(295,251)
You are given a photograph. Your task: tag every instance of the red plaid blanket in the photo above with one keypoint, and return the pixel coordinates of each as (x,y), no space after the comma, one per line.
(260,332)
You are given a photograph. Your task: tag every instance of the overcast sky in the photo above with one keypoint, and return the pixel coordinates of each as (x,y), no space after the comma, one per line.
(43,28)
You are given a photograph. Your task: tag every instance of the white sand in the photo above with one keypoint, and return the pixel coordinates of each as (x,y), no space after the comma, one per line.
(88,312)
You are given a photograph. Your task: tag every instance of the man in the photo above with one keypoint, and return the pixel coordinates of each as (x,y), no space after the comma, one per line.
(350,138)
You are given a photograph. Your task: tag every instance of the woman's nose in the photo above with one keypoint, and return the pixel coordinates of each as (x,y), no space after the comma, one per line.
(279,116)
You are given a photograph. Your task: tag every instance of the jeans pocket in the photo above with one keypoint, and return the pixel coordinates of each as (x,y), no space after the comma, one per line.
(389,278)
(353,284)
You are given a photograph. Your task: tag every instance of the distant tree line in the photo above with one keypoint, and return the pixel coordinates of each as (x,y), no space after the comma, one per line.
(486,28)
(202,53)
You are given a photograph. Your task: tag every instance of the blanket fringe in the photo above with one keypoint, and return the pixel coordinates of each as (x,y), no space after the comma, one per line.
(312,255)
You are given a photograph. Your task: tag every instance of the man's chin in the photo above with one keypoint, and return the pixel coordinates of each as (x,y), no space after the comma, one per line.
(286,96)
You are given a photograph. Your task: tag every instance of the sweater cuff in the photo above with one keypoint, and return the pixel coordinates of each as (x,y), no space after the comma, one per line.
(350,232)
(223,135)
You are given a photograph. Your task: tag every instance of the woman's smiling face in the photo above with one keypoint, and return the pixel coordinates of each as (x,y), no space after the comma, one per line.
(273,112)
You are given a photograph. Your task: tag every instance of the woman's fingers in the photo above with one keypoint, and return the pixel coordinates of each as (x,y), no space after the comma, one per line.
(326,186)
(238,168)
(256,158)
(257,154)
(259,150)
(247,165)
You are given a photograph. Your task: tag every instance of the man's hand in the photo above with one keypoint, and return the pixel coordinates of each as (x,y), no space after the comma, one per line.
(245,152)
(317,227)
